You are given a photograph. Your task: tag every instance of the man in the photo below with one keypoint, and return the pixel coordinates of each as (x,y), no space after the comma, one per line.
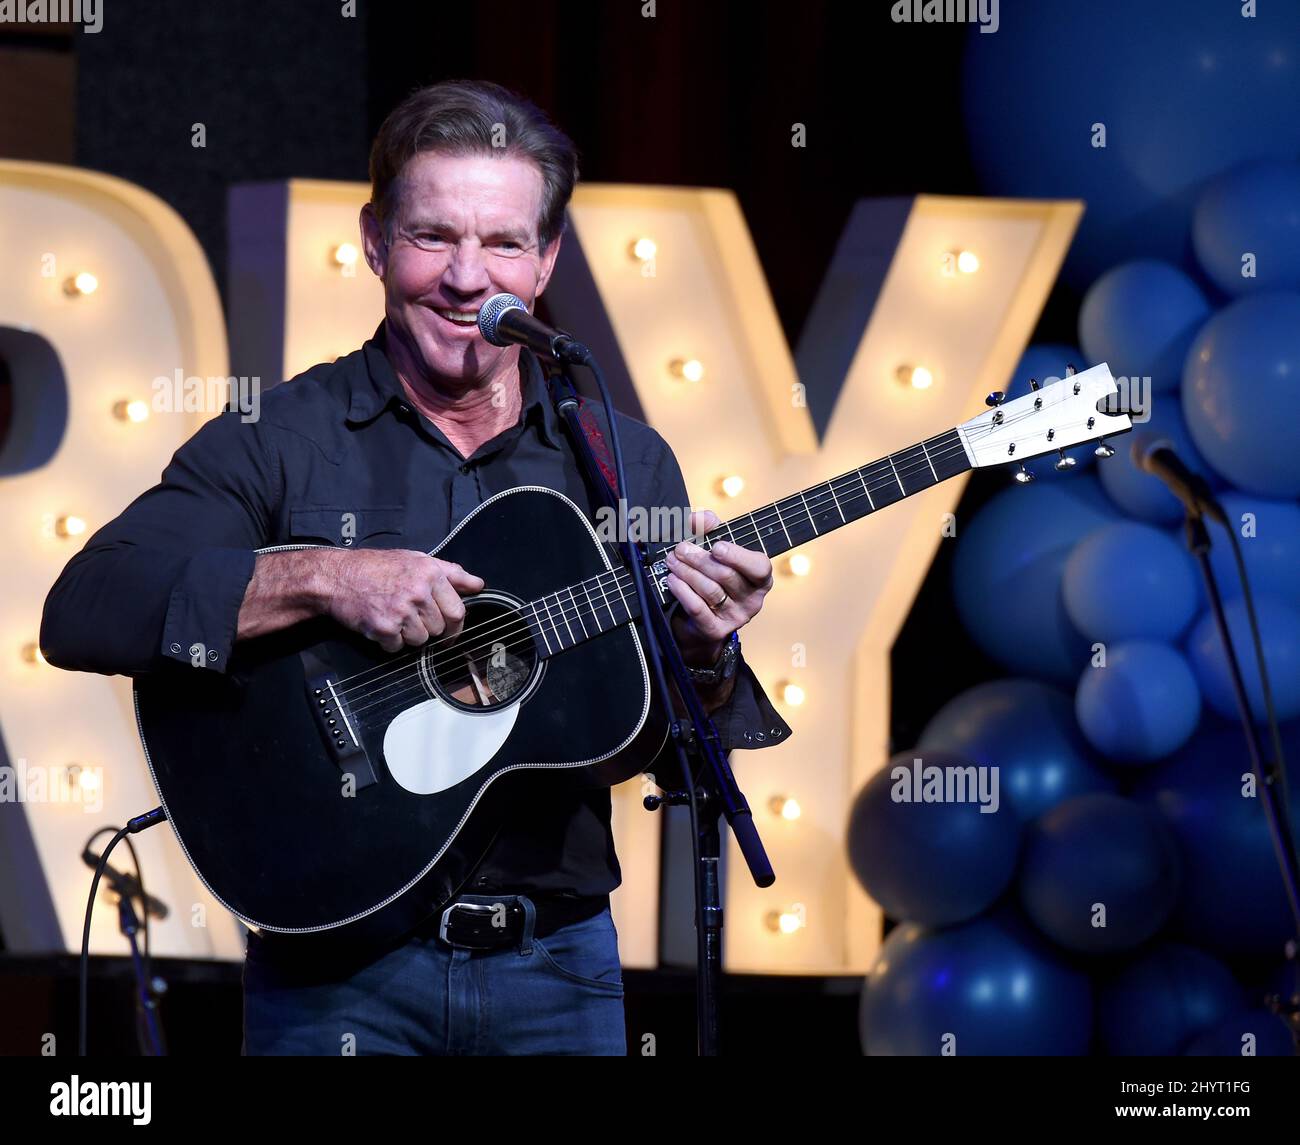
(403,438)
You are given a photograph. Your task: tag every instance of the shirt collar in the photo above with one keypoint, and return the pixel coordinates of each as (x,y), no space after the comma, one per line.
(378,387)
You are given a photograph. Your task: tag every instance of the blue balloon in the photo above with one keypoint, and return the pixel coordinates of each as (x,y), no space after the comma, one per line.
(1007,574)
(1279,630)
(1265,1034)
(1128,580)
(1156,1005)
(1143,704)
(1240,394)
(1025,729)
(1140,318)
(1251,211)
(1181,91)
(987,987)
(1269,534)
(1045,363)
(1138,493)
(1232,900)
(927,851)
(1099,849)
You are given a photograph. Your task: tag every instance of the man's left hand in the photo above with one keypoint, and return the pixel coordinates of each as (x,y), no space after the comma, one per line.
(721,589)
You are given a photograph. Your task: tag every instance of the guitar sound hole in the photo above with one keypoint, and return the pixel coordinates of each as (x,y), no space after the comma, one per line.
(490,663)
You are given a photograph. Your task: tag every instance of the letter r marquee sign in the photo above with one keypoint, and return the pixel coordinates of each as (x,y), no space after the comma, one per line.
(651,278)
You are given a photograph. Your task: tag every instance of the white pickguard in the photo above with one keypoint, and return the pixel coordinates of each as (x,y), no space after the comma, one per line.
(433,746)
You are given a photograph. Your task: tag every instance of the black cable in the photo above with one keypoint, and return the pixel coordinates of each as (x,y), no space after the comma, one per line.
(1278,773)
(85,933)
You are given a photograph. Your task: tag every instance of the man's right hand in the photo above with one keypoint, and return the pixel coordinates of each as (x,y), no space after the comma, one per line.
(396,597)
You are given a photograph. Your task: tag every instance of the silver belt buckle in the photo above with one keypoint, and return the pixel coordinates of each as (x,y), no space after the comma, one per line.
(486,908)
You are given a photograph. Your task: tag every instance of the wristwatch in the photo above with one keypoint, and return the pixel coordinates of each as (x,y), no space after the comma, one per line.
(725,666)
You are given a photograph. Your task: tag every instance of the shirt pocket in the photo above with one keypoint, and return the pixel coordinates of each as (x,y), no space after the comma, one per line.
(345,526)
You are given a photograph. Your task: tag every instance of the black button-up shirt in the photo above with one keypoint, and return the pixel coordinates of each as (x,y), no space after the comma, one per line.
(169,574)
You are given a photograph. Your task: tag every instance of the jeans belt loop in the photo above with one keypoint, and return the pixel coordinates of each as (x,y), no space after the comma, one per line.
(530,919)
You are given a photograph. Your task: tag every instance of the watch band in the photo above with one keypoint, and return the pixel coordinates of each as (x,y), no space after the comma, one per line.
(723,668)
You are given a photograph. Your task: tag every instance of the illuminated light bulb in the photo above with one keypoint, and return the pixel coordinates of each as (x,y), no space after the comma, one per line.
(79,284)
(792,693)
(918,377)
(786,921)
(731,486)
(798,564)
(967,261)
(136,410)
(346,255)
(87,780)
(32,653)
(642,249)
(69,526)
(686,369)
(784,807)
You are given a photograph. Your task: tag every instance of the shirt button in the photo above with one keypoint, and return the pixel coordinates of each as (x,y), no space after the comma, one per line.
(464,469)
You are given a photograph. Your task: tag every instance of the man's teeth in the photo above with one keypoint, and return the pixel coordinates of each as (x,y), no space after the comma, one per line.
(461,317)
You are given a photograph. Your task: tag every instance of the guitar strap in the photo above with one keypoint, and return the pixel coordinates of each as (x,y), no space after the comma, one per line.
(599,447)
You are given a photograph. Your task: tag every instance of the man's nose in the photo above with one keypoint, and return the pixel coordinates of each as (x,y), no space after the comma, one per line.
(466,271)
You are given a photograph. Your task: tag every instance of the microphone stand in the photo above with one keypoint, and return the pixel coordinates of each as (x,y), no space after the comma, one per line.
(709,788)
(1267,773)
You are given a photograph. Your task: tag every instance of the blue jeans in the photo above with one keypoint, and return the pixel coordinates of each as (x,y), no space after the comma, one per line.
(562,994)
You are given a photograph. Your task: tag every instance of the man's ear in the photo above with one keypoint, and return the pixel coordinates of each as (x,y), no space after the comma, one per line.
(373,241)
(548,263)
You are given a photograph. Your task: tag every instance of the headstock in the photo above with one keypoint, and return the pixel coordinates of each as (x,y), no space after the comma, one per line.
(1047,420)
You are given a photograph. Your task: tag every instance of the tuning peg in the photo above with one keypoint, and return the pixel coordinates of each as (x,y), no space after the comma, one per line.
(1104,450)
(996,398)
(1033,384)
(1024,477)
(1065,462)
(1070,371)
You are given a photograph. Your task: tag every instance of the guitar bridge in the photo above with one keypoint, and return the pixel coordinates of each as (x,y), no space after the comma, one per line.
(337,725)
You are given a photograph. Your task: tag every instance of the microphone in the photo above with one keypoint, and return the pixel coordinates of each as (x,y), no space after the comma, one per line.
(1155,455)
(125,885)
(503,320)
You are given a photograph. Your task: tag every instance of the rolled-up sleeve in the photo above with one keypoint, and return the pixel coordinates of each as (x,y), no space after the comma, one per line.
(164,581)
(748,719)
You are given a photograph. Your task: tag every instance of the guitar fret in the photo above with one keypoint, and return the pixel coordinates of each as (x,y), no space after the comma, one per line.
(781,520)
(577,611)
(894,467)
(538,621)
(929,462)
(559,638)
(863,478)
(600,583)
(838,508)
(809,512)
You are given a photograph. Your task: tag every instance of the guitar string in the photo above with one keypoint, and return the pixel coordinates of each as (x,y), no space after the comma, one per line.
(623,580)
(623,576)
(820,503)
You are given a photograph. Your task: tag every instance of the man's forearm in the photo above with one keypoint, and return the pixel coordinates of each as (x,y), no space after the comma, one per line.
(286,588)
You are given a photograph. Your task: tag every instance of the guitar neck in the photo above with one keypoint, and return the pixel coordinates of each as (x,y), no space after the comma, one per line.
(563,619)
(795,520)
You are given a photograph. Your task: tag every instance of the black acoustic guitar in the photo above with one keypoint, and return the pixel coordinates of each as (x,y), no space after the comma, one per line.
(324,785)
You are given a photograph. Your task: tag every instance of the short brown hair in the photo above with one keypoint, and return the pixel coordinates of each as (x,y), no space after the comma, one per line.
(466,117)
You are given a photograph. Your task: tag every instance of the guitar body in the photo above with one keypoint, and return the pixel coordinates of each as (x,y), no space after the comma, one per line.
(324,787)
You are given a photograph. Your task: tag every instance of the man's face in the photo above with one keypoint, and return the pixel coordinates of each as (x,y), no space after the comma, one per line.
(461,229)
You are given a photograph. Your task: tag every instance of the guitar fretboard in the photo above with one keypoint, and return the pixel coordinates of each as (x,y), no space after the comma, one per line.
(563,619)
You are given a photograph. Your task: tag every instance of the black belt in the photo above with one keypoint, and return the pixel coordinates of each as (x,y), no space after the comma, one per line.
(500,923)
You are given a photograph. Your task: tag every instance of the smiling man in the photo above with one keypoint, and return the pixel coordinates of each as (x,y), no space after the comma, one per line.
(409,434)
